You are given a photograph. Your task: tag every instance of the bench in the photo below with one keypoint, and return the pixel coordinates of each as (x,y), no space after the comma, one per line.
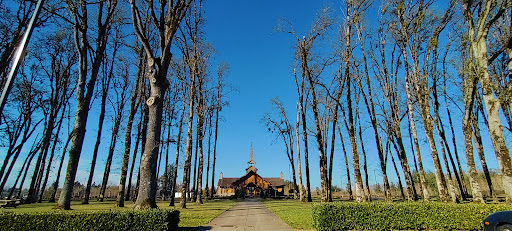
(9,203)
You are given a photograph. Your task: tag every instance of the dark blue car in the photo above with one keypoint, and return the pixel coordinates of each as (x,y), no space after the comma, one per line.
(499,221)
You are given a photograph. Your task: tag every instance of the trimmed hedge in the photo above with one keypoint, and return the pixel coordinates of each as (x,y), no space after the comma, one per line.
(153,219)
(402,216)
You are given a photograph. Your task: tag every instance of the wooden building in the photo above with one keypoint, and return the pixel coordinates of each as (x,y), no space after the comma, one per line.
(251,184)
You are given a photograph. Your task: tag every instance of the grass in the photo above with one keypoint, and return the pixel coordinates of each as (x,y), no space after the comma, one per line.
(193,216)
(198,215)
(296,214)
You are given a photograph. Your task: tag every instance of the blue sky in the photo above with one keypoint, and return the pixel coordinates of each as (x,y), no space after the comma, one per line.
(260,61)
(261,68)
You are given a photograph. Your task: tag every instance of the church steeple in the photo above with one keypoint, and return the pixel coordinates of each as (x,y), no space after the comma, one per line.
(251,161)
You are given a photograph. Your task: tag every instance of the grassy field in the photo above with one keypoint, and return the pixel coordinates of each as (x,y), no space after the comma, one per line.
(293,212)
(194,215)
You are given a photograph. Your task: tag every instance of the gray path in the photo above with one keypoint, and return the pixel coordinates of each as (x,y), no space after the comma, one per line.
(248,215)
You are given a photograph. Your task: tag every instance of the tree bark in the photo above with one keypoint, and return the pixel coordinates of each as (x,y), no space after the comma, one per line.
(146,197)
(128,136)
(477,139)
(299,169)
(188,148)
(167,24)
(467,129)
(101,118)
(83,96)
(370,108)
(201,110)
(56,183)
(477,33)
(178,145)
(349,182)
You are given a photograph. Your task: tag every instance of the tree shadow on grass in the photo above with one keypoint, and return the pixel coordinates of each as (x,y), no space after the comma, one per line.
(202,228)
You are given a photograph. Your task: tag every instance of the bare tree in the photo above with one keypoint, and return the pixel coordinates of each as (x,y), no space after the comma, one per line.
(84,91)
(121,88)
(128,132)
(479,18)
(106,80)
(370,107)
(22,120)
(220,102)
(167,21)
(281,125)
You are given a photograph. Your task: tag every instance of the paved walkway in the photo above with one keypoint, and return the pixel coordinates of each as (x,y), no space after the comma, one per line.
(248,215)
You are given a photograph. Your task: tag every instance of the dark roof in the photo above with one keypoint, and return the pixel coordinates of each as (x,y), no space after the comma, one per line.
(275,181)
(226,182)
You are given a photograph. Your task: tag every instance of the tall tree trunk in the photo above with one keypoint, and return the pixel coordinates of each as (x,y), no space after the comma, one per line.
(400,185)
(318,133)
(134,157)
(194,179)
(349,182)
(178,145)
(467,129)
(128,137)
(146,197)
(333,139)
(306,147)
(201,110)
(365,163)
(101,118)
(84,93)
(477,35)
(157,76)
(32,153)
(217,109)
(480,151)
(299,169)
(360,194)
(207,189)
(111,150)
(33,191)
(57,179)
(370,108)
(188,148)
(52,154)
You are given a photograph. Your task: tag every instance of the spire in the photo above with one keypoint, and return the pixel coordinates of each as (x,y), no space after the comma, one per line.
(251,161)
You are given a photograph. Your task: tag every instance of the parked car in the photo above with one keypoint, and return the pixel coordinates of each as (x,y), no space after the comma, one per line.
(499,221)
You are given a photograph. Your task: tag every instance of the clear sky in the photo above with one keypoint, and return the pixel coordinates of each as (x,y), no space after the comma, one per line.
(260,61)
(261,68)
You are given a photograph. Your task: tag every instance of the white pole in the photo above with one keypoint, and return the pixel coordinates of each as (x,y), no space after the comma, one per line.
(17,57)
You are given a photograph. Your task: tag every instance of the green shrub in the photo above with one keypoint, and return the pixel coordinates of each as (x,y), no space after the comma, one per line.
(402,216)
(154,219)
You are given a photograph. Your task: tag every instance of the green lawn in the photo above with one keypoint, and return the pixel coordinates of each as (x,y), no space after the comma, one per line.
(194,215)
(293,212)
(198,215)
